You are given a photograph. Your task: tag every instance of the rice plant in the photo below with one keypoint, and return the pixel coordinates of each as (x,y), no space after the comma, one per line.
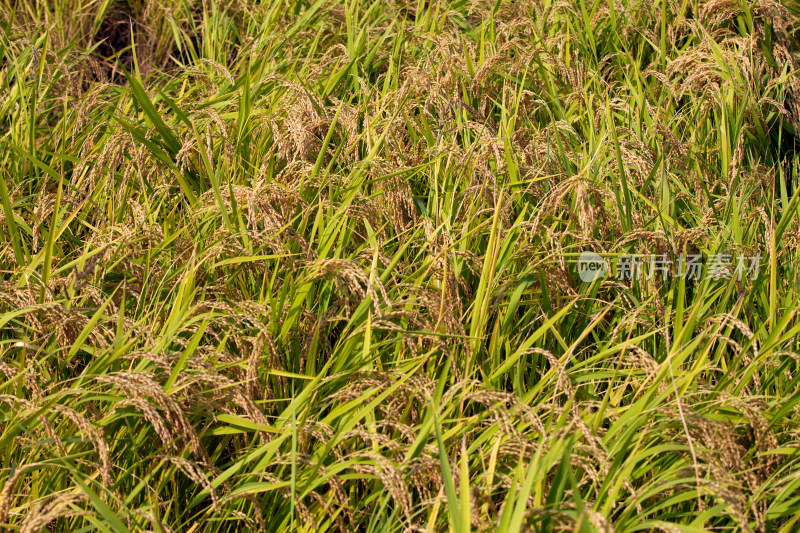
(318,265)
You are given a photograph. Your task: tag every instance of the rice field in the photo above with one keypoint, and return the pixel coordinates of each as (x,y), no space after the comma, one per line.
(399,266)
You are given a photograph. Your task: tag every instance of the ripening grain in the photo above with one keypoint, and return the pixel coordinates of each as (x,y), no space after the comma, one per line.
(293,265)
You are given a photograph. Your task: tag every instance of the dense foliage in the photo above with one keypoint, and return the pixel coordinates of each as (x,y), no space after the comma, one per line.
(271,265)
